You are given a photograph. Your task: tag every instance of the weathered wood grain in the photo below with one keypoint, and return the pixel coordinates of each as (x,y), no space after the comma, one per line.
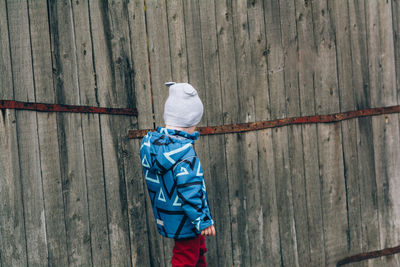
(217,180)
(6,91)
(230,17)
(307,55)
(48,137)
(349,128)
(136,190)
(161,72)
(159,51)
(258,104)
(91,136)
(12,227)
(359,53)
(366,171)
(331,170)
(177,40)
(275,59)
(275,33)
(249,233)
(112,57)
(269,222)
(396,39)
(140,60)
(295,141)
(196,76)
(72,191)
(179,68)
(227,63)
(266,221)
(27,134)
(74,182)
(385,129)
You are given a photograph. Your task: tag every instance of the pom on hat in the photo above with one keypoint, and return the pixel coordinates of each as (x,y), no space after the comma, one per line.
(183,107)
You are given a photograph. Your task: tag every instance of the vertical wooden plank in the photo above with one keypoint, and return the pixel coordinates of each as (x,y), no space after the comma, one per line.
(326,83)
(217,180)
(91,136)
(329,137)
(307,54)
(47,132)
(269,220)
(359,52)
(196,77)
(112,57)
(177,40)
(385,128)
(396,38)
(233,149)
(265,216)
(367,183)
(396,35)
(381,53)
(74,184)
(157,30)
(12,228)
(277,84)
(136,194)
(295,142)
(6,91)
(246,31)
(160,69)
(267,235)
(361,192)
(341,23)
(275,59)
(241,158)
(140,55)
(333,192)
(223,15)
(179,70)
(27,134)
(136,190)
(228,80)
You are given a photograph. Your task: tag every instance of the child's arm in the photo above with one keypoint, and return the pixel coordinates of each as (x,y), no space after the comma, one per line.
(192,192)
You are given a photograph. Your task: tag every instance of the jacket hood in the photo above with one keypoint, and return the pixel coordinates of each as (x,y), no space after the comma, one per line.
(161,150)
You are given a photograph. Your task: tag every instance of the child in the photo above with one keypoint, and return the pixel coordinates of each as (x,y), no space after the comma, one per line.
(174,177)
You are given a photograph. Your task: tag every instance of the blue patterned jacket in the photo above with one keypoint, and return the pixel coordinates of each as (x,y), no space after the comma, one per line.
(175,183)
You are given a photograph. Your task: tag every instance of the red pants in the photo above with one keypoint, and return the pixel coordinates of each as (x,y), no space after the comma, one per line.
(189,252)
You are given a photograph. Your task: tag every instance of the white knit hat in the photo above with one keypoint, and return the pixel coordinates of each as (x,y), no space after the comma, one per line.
(183,107)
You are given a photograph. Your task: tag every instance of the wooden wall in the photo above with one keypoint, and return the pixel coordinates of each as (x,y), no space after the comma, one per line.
(71,187)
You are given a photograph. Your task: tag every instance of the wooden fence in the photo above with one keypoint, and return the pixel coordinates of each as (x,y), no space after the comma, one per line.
(71,185)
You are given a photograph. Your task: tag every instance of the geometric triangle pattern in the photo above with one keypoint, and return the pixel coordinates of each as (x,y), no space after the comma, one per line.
(177,202)
(152,179)
(161,196)
(145,162)
(175,183)
(183,172)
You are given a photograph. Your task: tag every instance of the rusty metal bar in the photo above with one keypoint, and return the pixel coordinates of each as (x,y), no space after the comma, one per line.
(11,104)
(369,255)
(260,125)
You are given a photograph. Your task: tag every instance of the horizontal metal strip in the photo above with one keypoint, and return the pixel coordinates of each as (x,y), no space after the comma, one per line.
(260,125)
(12,104)
(369,255)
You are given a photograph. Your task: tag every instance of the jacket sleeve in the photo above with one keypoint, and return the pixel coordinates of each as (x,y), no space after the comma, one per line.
(191,190)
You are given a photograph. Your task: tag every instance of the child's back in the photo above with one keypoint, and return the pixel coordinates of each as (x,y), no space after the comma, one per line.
(175,183)
(174,177)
